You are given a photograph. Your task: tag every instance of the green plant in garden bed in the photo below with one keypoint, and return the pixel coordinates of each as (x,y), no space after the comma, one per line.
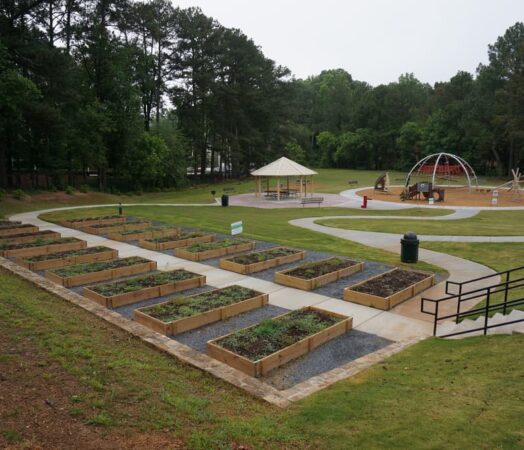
(68,253)
(390,283)
(145,230)
(80,269)
(179,237)
(264,255)
(21,235)
(8,224)
(191,306)
(135,284)
(116,224)
(37,243)
(272,335)
(319,268)
(85,219)
(196,248)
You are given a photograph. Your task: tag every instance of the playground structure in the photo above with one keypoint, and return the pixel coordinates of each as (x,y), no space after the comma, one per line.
(382,183)
(433,173)
(513,186)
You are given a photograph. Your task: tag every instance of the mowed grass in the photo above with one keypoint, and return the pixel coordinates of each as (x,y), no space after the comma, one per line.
(264,224)
(437,394)
(486,223)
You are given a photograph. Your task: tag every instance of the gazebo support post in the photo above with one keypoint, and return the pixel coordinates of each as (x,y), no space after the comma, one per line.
(300,186)
(278,189)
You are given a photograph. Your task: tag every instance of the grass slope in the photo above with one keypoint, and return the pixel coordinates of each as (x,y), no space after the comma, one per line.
(486,223)
(438,394)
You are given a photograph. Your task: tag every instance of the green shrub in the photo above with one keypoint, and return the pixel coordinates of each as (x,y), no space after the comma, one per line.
(19,194)
(70,190)
(83,188)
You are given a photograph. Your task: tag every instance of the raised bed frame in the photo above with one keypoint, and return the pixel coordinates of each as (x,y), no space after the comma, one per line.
(214,253)
(313,283)
(18,229)
(264,365)
(386,303)
(233,266)
(44,249)
(15,239)
(114,301)
(176,244)
(87,223)
(115,229)
(102,275)
(144,234)
(67,261)
(178,326)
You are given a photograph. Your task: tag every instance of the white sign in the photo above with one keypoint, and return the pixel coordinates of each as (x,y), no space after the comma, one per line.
(494,198)
(237,228)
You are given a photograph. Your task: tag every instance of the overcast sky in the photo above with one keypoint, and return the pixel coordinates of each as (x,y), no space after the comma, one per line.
(374,40)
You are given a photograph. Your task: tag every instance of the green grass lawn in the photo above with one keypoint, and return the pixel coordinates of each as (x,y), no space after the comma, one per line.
(437,394)
(486,223)
(264,224)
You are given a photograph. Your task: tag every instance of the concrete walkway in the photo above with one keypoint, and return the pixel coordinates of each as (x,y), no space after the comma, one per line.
(386,324)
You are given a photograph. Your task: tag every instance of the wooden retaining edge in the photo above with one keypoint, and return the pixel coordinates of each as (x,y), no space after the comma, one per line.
(44,249)
(86,223)
(214,253)
(313,283)
(21,239)
(128,298)
(102,275)
(386,303)
(67,261)
(279,358)
(144,243)
(233,266)
(190,323)
(143,235)
(108,229)
(164,344)
(18,230)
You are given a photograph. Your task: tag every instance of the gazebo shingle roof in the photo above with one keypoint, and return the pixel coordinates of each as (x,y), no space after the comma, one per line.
(283,167)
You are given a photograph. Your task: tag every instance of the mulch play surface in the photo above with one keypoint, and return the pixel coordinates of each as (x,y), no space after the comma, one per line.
(36,400)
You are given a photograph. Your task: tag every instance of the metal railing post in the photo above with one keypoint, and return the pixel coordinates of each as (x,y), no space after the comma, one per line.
(436,319)
(506,288)
(487,311)
(459,298)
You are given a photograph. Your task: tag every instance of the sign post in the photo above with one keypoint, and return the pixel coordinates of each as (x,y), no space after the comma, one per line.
(237,228)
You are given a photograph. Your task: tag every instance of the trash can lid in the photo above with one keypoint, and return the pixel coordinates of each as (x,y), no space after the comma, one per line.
(410,236)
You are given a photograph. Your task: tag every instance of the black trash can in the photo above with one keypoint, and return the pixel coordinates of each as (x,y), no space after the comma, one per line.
(409,248)
(225,200)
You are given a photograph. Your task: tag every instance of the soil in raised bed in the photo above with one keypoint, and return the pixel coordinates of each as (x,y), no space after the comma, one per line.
(178,237)
(197,248)
(9,224)
(116,224)
(145,230)
(318,268)
(264,255)
(272,335)
(390,283)
(98,266)
(191,306)
(67,254)
(135,284)
(37,243)
(86,219)
(37,235)
(16,225)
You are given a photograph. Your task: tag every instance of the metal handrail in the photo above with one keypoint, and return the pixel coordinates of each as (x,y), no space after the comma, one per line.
(488,292)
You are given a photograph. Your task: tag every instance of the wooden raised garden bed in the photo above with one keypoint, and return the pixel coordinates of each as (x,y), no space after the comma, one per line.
(29,237)
(67,258)
(41,247)
(187,313)
(315,274)
(181,240)
(119,293)
(88,221)
(115,227)
(216,249)
(9,223)
(263,260)
(147,233)
(258,349)
(387,290)
(18,229)
(100,271)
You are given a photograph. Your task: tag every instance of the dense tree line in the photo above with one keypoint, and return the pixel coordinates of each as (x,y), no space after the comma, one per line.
(137,92)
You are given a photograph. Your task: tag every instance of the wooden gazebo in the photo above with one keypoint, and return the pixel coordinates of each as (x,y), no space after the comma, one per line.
(282,170)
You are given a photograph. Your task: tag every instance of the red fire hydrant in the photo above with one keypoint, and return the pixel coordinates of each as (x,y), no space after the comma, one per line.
(364,202)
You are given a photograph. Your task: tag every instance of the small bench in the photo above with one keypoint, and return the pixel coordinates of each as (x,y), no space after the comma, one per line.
(352,182)
(311,200)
